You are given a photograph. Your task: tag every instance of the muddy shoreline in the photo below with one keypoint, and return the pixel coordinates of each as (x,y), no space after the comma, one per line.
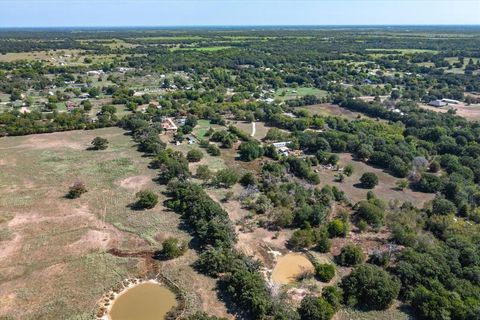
(154,275)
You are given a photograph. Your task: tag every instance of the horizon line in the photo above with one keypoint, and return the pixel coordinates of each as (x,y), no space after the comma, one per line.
(241,26)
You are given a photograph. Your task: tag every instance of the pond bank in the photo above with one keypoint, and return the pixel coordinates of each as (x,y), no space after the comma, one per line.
(154,276)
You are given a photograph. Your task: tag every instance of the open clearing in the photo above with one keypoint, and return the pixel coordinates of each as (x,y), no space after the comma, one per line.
(293,93)
(260,129)
(328,109)
(469,112)
(385,190)
(61,244)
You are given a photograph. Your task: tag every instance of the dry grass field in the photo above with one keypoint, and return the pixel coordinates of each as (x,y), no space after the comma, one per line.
(327,109)
(60,245)
(386,188)
(260,129)
(65,57)
(469,112)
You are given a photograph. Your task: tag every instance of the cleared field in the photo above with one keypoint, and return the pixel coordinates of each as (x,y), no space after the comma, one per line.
(404,51)
(327,109)
(206,49)
(293,93)
(469,112)
(54,57)
(203,126)
(60,57)
(60,245)
(112,44)
(260,129)
(386,189)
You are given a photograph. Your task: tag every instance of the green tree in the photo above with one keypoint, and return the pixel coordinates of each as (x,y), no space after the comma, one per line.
(226,178)
(369,287)
(402,184)
(194,155)
(213,150)
(369,180)
(263,204)
(250,150)
(348,170)
(370,213)
(282,217)
(443,207)
(76,190)
(248,179)
(87,105)
(249,291)
(323,242)
(303,238)
(362,225)
(350,255)
(314,308)
(333,295)
(99,143)
(173,248)
(333,159)
(108,109)
(324,271)
(204,173)
(146,199)
(215,261)
(337,228)
(434,166)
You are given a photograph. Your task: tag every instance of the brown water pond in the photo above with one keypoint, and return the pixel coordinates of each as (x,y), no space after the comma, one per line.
(289,267)
(146,301)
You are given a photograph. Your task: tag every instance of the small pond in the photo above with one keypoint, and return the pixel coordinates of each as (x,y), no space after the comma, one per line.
(289,267)
(146,301)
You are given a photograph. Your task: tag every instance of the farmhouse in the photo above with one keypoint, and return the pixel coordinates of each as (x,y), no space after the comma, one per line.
(450,101)
(169,126)
(437,103)
(282,144)
(443,102)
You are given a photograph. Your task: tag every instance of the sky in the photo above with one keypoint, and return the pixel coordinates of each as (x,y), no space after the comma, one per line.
(104,13)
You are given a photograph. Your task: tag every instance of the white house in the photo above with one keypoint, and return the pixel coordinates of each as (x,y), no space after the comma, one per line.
(282,144)
(437,103)
(450,101)
(95,73)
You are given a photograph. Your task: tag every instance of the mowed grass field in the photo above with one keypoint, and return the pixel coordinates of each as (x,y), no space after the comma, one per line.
(53,251)
(293,93)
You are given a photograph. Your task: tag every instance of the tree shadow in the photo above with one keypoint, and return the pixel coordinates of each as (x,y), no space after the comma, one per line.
(136,207)
(232,308)
(359,185)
